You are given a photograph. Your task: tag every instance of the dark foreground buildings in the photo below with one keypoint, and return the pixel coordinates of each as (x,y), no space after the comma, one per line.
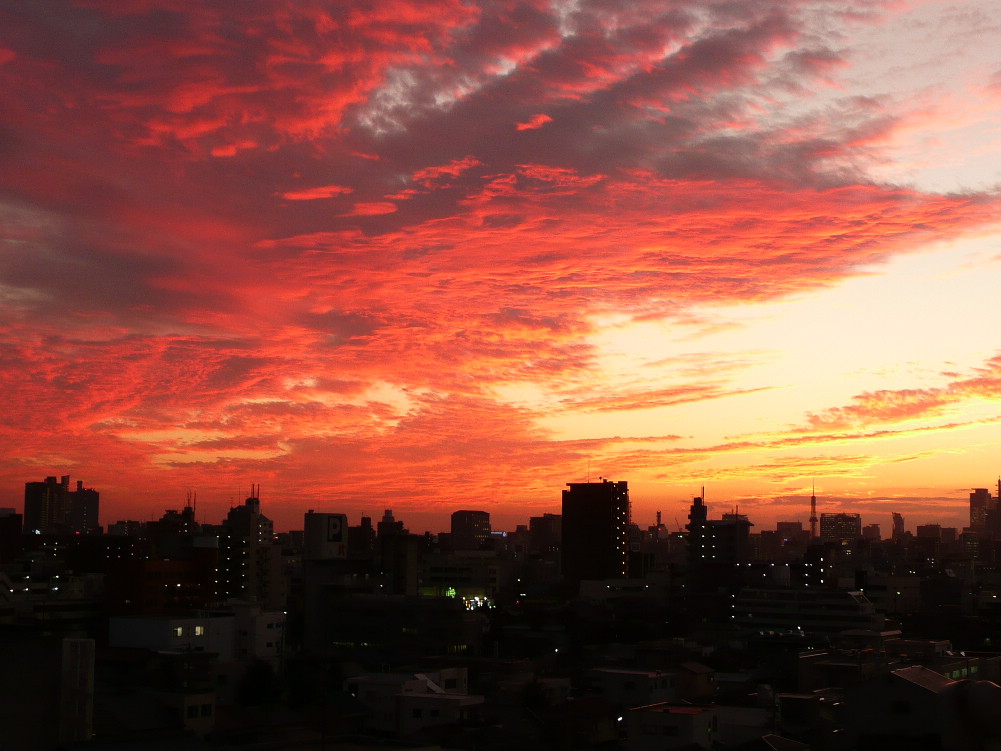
(178,634)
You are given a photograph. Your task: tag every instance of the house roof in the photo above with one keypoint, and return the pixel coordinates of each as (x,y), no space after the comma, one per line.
(778,743)
(923,677)
(670,707)
(696,667)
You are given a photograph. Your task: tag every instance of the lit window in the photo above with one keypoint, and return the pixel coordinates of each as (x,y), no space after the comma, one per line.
(177,630)
(199,630)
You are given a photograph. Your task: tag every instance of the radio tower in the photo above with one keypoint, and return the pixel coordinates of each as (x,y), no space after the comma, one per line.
(813,511)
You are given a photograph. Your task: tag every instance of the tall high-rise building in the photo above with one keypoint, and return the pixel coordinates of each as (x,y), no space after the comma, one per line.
(250,565)
(595,534)
(50,506)
(84,507)
(981,504)
(715,547)
(470,529)
(898,526)
(698,512)
(840,528)
(813,513)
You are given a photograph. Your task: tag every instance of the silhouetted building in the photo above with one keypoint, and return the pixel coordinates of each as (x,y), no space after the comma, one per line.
(400,557)
(698,513)
(545,533)
(127,528)
(843,529)
(172,535)
(716,547)
(10,534)
(981,504)
(325,536)
(898,526)
(728,540)
(789,529)
(250,563)
(931,531)
(51,507)
(470,529)
(871,532)
(595,531)
(361,540)
(390,526)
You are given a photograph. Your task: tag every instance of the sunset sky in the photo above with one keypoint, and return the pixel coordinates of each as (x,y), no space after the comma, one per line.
(455,254)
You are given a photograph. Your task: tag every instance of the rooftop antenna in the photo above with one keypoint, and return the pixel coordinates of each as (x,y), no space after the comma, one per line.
(813,510)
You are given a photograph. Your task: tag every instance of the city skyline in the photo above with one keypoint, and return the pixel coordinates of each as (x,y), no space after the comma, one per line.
(456,255)
(979,503)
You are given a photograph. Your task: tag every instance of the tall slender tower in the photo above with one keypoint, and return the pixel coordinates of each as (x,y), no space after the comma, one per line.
(813,511)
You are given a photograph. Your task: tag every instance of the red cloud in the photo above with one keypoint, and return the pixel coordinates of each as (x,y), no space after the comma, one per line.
(320,192)
(430,175)
(372,208)
(535,122)
(167,313)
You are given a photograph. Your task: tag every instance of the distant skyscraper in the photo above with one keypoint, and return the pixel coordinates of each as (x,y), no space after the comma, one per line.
(595,533)
(44,504)
(50,506)
(871,532)
(84,507)
(388,526)
(470,529)
(980,504)
(249,561)
(932,531)
(789,529)
(813,514)
(697,515)
(898,526)
(840,528)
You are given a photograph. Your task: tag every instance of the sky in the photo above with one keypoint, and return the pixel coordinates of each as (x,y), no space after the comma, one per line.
(456,254)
